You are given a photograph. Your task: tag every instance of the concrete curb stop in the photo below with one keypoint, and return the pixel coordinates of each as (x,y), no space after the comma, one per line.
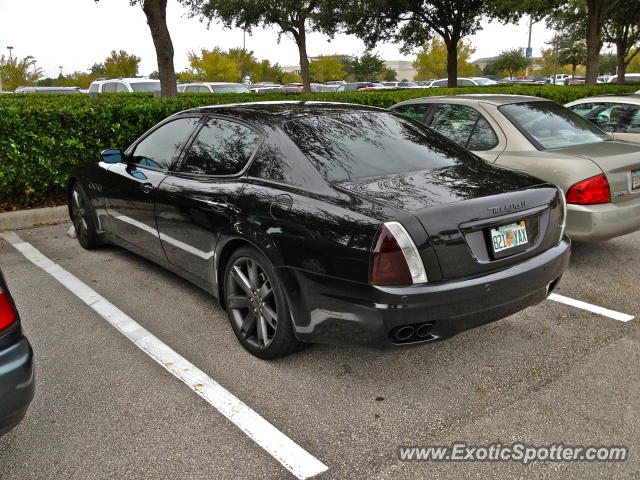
(34,216)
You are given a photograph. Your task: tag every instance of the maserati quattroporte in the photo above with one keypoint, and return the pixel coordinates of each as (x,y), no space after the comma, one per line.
(323,222)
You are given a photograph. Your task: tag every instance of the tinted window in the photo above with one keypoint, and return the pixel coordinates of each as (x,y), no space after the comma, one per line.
(109,87)
(122,88)
(191,89)
(350,145)
(417,111)
(549,125)
(465,126)
(463,82)
(145,87)
(203,89)
(230,89)
(93,88)
(631,123)
(220,148)
(440,83)
(159,149)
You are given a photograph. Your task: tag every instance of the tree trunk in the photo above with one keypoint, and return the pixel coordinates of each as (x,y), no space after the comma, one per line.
(622,64)
(301,40)
(452,63)
(595,12)
(156,12)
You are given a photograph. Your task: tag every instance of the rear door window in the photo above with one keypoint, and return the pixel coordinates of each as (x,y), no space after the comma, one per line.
(465,126)
(221,147)
(416,111)
(110,87)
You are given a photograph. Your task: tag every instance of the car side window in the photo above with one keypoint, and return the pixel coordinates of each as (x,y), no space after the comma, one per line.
(631,122)
(109,87)
(416,111)
(191,89)
(440,83)
(465,83)
(122,88)
(606,115)
(465,126)
(160,148)
(222,147)
(203,89)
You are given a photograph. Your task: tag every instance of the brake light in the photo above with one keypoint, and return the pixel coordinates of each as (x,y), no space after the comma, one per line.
(394,258)
(590,191)
(7,315)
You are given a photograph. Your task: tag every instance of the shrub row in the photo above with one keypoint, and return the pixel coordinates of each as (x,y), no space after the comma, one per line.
(43,137)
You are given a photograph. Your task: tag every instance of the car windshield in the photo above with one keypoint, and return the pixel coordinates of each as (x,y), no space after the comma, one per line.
(146,86)
(230,89)
(350,145)
(549,125)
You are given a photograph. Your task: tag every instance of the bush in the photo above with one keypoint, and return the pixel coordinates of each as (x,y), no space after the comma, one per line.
(44,137)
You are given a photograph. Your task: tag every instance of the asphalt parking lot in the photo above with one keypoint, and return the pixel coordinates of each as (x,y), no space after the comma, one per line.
(104,409)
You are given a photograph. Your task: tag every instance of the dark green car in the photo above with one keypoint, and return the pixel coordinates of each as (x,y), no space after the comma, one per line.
(17,379)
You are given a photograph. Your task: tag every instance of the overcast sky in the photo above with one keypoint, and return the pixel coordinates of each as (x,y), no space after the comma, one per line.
(78,33)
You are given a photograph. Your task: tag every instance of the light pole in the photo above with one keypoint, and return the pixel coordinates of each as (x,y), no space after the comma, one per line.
(529,52)
(60,67)
(10,48)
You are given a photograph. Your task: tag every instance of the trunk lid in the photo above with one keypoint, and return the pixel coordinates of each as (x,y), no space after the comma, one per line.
(458,206)
(620,162)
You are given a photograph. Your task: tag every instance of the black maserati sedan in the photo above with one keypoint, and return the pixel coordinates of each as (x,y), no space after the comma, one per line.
(17,379)
(327,222)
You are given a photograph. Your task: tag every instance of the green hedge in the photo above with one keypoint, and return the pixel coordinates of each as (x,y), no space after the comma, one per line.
(43,137)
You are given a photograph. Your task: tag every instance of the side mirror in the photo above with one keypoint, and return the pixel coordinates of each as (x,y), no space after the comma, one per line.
(112,155)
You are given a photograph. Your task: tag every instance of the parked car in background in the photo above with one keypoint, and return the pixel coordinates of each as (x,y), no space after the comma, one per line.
(600,176)
(558,79)
(424,83)
(69,90)
(464,82)
(212,87)
(355,86)
(628,78)
(618,115)
(401,84)
(265,87)
(17,377)
(123,85)
(575,80)
(327,222)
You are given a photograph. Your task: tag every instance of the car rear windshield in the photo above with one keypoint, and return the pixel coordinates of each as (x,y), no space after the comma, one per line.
(146,87)
(549,125)
(350,145)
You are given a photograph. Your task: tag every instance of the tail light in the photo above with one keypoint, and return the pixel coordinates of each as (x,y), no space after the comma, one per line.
(563,221)
(395,259)
(590,191)
(7,314)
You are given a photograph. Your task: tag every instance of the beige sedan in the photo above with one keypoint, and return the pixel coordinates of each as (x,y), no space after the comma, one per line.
(618,115)
(600,176)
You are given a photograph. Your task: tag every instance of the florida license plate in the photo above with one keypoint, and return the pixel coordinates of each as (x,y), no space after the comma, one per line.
(635,180)
(509,236)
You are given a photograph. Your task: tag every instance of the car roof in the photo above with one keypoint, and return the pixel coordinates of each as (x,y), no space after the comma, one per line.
(495,99)
(613,97)
(209,83)
(281,111)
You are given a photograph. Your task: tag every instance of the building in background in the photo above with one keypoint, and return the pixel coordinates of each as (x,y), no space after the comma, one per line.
(403,68)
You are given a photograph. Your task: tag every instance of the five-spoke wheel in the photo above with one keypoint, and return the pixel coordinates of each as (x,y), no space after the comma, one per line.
(82,217)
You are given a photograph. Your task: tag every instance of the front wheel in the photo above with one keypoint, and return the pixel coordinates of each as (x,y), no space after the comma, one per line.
(82,217)
(257,307)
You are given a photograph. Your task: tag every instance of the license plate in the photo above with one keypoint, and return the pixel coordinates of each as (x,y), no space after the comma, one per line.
(509,236)
(635,180)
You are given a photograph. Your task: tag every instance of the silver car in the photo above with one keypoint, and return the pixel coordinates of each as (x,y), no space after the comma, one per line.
(618,115)
(600,176)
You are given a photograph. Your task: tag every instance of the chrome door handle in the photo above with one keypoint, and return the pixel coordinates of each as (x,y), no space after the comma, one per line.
(147,188)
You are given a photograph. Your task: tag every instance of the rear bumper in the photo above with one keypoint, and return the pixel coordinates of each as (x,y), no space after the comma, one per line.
(328,310)
(594,223)
(17,383)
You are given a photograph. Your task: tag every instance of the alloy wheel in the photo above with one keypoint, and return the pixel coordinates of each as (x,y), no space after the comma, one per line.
(79,214)
(251,302)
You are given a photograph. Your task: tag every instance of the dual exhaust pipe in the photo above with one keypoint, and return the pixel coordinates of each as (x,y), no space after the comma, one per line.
(408,333)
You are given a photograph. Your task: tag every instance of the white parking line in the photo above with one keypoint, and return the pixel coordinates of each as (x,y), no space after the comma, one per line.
(623,317)
(295,459)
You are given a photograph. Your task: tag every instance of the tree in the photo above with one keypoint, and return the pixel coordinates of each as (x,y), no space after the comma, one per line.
(211,66)
(586,16)
(366,67)
(292,17)
(607,64)
(326,68)
(15,72)
(121,64)
(510,61)
(431,61)
(414,22)
(622,29)
(572,52)
(388,75)
(290,77)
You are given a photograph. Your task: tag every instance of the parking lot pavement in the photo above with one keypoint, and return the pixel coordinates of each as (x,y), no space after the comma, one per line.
(550,374)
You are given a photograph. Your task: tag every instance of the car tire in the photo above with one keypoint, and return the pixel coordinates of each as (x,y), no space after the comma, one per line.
(257,307)
(83,218)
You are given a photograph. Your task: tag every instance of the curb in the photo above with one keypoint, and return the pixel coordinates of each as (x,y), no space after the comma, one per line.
(33,216)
